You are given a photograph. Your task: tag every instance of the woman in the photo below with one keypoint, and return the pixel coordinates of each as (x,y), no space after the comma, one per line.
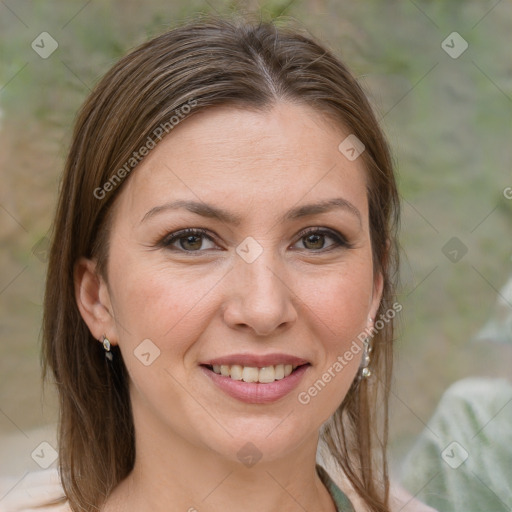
(220,290)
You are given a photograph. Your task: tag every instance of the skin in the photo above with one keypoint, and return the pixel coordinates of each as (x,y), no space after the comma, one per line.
(303,296)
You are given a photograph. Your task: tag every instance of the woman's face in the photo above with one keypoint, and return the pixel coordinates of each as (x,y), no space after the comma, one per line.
(270,274)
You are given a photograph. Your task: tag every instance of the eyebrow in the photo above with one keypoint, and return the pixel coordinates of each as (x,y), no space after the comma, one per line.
(210,211)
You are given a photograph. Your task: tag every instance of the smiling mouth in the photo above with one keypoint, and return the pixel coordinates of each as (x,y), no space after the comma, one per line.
(264,375)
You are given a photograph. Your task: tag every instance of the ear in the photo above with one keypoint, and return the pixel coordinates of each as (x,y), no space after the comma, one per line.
(378,284)
(93,299)
(378,287)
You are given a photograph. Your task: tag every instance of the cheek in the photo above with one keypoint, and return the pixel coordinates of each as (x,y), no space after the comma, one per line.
(340,303)
(157,303)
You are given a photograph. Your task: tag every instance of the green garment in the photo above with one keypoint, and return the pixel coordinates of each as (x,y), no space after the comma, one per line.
(341,501)
(462,461)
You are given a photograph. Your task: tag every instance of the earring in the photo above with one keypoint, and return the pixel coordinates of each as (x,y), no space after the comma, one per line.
(106,346)
(365,362)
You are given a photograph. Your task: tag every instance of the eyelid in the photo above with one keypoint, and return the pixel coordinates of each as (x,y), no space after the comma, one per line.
(340,240)
(170,238)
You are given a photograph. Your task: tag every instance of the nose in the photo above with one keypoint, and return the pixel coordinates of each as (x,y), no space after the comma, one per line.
(259,296)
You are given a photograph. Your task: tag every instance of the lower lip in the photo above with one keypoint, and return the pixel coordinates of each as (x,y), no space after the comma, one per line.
(257,392)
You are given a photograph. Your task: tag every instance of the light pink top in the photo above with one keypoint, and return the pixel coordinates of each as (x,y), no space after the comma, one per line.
(35,493)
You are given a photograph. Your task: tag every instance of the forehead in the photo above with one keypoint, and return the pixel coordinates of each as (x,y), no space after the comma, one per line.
(230,155)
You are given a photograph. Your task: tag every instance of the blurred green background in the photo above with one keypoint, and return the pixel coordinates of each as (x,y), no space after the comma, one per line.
(448,121)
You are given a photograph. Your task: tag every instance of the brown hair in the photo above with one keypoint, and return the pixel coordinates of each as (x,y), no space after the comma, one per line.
(210,61)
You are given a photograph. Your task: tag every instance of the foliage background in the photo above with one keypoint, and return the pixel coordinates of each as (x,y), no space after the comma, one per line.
(448,121)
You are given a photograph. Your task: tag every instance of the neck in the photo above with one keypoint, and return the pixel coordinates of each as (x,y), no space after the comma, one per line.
(171,474)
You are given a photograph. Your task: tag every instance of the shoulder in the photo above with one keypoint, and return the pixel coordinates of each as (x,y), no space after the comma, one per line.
(39,490)
(346,498)
(462,457)
(402,501)
(466,407)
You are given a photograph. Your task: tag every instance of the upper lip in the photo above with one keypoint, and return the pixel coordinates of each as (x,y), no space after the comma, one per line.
(256,360)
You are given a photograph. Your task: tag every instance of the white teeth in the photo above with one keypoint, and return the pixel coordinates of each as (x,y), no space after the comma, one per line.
(236,372)
(252,374)
(267,374)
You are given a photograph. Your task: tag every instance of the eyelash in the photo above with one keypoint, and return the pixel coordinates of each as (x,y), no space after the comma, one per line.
(339,240)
